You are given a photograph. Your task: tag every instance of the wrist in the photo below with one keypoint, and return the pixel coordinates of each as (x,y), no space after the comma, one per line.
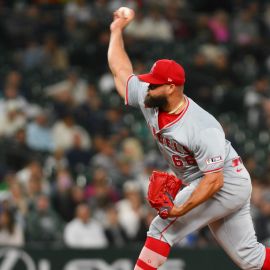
(117,31)
(176,211)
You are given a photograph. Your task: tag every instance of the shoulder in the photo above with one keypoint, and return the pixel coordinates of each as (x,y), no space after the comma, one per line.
(134,81)
(73,224)
(201,118)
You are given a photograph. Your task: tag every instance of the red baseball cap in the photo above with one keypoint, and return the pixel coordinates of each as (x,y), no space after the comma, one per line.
(165,71)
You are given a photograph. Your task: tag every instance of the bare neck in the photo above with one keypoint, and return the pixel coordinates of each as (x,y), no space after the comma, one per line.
(175,103)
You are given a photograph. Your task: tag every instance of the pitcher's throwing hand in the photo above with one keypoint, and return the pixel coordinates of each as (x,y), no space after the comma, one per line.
(122,17)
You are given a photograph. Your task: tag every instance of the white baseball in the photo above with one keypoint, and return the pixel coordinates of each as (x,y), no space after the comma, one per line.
(125,12)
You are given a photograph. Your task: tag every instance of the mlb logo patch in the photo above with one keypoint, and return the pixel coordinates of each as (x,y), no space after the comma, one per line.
(214,160)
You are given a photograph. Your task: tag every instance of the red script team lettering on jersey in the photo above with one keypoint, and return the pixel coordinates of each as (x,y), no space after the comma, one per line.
(172,144)
(185,157)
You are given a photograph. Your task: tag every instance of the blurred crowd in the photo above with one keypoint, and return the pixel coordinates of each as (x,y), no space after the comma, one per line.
(74,161)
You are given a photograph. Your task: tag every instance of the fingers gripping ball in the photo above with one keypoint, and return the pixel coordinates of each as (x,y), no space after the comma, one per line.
(162,190)
(125,12)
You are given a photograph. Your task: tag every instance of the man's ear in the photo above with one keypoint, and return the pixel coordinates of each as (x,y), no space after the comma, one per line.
(171,88)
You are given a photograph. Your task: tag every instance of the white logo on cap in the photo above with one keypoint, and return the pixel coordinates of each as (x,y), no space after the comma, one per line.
(169,80)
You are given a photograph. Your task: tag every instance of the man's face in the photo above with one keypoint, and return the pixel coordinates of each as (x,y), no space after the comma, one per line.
(155,97)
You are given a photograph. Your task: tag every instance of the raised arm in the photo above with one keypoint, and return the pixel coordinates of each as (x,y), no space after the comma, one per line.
(119,62)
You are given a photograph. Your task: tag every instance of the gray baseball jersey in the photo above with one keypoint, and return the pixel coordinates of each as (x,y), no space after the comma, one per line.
(194,144)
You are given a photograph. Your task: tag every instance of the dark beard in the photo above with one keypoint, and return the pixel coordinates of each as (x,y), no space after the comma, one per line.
(152,102)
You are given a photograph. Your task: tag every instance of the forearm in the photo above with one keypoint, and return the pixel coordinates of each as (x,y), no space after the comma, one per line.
(206,189)
(117,56)
(119,61)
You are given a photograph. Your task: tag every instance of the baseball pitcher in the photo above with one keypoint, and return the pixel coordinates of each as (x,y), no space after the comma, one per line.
(217,185)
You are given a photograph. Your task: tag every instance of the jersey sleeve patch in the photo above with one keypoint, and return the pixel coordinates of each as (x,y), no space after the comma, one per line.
(214,160)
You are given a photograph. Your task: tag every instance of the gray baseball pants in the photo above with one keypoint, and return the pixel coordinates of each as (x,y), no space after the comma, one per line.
(228,216)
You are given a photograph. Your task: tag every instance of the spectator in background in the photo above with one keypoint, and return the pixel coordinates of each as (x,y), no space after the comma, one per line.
(101,11)
(266,18)
(55,162)
(61,99)
(54,57)
(131,209)
(153,26)
(17,153)
(90,114)
(74,31)
(43,225)
(256,199)
(222,71)
(200,81)
(137,28)
(125,171)
(146,220)
(245,28)
(105,157)
(32,56)
(11,119)
(33,170)
(33,191)
(255,96)
(219,26)
(39,134)
(100,193)
(61,195)
(80,10)
(11,233)
(117,129)
(72,90)
(77,196)
(178,21)
(201,31)
(99,53)
(64,131)
(106,84)
(14,79)
(12,93)
(78,157)
(158,27)
(113,5)
(266,112)
(132,151)
(83,231)
(18,201)
(114,232)
(22,24)
(67,196)
(262,223)
(212,52)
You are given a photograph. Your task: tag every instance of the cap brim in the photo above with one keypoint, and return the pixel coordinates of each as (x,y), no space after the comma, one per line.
(150,79)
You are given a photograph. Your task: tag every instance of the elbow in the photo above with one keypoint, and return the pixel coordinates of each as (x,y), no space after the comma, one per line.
(112,69)
(215,181)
